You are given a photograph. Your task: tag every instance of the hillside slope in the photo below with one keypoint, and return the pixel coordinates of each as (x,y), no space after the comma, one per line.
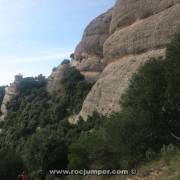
(112,59)
(160,169)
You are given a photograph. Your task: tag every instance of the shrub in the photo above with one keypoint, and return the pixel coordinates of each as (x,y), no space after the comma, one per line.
(46,153)
(150,114)
(65,61)
(54,69)
(11,164)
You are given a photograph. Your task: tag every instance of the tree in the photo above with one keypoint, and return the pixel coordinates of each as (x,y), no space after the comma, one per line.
(46,150)
(11,164)
(65,61)
(71,77)
(172,95)
(145,99)
(72,56)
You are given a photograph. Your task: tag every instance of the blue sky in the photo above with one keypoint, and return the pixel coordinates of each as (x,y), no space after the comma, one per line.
(35,35)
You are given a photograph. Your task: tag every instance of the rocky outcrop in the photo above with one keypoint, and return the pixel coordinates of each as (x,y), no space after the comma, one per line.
(94,37)
(55,78)
(10,92)
(138,30)
(153,32)
(106,93)
(126,12)
(89,51)
(115,44)
(91,64)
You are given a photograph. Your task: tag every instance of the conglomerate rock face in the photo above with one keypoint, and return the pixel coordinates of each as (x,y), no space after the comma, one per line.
(146,34)
(89,51)
(126,12)
(55,78)
(10,92)
(106,93)
(94,37)
(115,44)
(139,29)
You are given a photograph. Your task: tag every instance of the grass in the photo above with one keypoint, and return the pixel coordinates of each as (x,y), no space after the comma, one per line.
(167,167)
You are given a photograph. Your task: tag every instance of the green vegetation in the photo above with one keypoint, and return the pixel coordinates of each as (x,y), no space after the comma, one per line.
(36,126)
(165,167)
(65,61)
(148,121)
(10,165)
(44,150)
(146,129)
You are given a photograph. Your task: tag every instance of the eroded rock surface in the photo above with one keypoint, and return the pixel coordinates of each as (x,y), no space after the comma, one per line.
(126,12)
(153,32)
(139,29)
(106,93)
(55,78)
(10,92)
(115,44)
(94,37)
(89,51)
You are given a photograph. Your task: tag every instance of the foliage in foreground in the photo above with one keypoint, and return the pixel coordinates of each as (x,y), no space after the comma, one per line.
(38,130)
(36,125)
(149,119)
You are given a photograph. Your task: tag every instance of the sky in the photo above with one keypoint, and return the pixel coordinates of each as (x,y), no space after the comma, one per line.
(36,35)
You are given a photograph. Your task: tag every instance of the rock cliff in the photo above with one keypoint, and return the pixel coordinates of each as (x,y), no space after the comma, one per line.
(94,37)
(10,92)
(55,78)
(89,51)
(116,43)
